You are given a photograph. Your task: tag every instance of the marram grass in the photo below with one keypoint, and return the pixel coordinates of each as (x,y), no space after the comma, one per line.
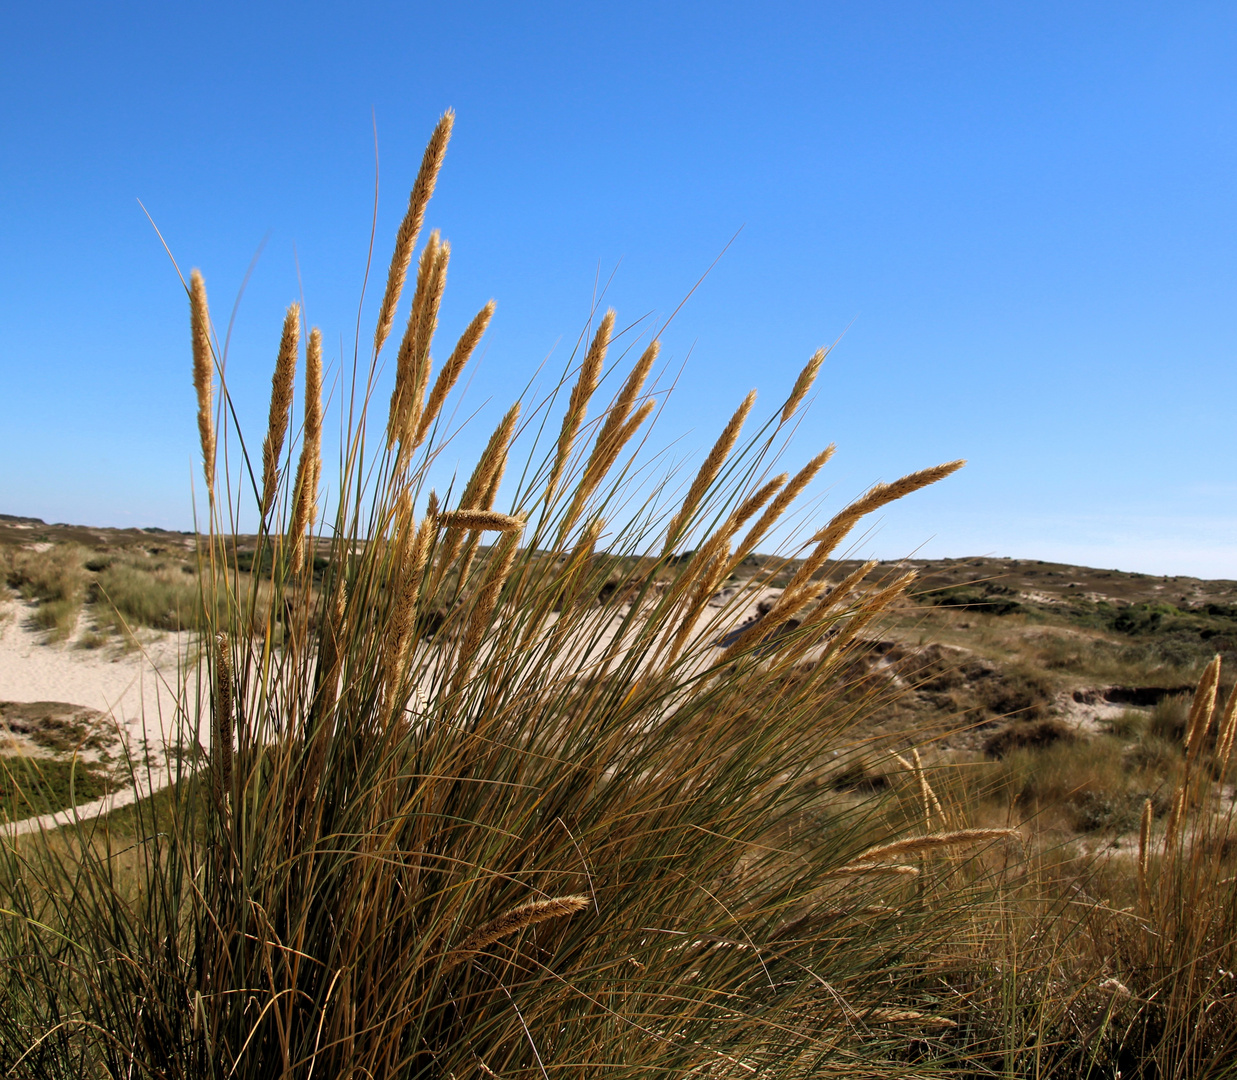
(468,788)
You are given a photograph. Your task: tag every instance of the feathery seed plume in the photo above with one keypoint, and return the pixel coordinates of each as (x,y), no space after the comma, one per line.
(512,922)
(427,324)
(203,371)
(1201,709)
(907,1016)
(1228,728)
(872,868)
(577,405)
(626,398)
(1144,853)
(281,402)
(747,509)
(410,227)
(838,594)
(710,565)
(310,465)
(491,464)
(708,471)
(779,505)
(480,521)
(501,561)
(877,496)
(600,462)
(406,373)
(868,610)
(803,383)
(410,572)
(222,735)
(452,369)
(917,844)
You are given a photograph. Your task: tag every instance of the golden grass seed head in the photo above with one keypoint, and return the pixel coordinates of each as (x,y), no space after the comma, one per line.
(780,504)
(203,372)
(1227,730)
(599,464)
(452,370)
(1201,709)
(410,227)
(624,401)
(281,403)
(309,467)
(708,471)
(406,374)
(480,521)
(803,383)
(577,404)
(512,922)
(919,844)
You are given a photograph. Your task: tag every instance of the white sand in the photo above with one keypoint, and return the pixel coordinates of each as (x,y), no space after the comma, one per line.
(135,688)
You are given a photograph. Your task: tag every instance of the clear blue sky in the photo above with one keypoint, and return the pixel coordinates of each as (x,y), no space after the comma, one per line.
(1024,213)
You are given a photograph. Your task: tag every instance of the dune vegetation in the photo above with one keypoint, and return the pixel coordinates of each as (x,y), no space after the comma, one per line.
(549,775)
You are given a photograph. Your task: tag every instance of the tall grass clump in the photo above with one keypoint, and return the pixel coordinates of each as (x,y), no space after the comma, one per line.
(484,797)
(55,580)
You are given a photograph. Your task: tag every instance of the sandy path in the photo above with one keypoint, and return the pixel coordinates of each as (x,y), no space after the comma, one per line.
(135,688)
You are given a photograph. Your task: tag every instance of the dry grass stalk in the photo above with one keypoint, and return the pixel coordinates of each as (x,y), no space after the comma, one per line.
(203,373)
(281,404)
(791,603)
(779,505)
(907,1016)
(1175,816)
(918,844)
(412,553)
(708,471)
(491,464)
(925,790)
(501,561)
(512,922)
(855,869)
(410,227)
(1144,853)
(221,736)
(872,606)
(803,383)
(710,565)
(452,369)
(1201,710)
(577,406)
(310,465)
(480,521)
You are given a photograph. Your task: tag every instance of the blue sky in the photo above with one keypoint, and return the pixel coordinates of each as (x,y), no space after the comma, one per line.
(1020,216)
